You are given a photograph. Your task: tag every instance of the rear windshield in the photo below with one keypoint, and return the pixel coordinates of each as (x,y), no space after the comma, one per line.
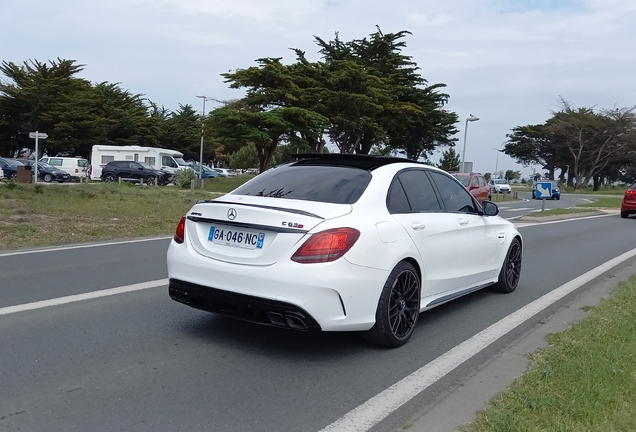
(465,180)
(329,184)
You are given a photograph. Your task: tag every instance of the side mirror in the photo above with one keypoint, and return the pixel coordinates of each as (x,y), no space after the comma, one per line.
(490,208)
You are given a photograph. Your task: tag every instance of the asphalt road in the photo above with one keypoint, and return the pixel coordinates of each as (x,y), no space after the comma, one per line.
(140,361)
(513,209)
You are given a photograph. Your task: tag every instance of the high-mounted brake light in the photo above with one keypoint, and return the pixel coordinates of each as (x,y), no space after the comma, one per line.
(326,246)
(179,235)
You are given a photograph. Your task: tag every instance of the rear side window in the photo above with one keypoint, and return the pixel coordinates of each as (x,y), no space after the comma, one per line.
(322,183)
(418,192)
(55,161)
(82,163)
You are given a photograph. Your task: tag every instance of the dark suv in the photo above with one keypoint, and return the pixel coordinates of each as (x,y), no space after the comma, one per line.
(139,172)
(10,168)
(476,185)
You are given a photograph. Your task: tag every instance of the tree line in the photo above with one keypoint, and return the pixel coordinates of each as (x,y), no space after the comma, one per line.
(364,96)
(589,144)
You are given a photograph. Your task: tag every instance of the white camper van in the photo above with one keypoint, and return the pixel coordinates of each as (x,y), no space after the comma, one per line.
(163,159)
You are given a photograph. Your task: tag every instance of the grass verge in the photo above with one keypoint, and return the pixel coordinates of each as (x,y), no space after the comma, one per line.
(584,381)
(49,215)
(558,212)
(605,203)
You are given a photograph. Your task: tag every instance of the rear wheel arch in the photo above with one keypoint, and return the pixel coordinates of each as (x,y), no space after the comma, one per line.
(398,307)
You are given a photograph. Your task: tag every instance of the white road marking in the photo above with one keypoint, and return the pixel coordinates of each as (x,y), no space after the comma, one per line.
(519,209)
(92,245)
(380,406)
(81,297)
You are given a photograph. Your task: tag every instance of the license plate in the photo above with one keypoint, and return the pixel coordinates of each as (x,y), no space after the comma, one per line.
(246,239)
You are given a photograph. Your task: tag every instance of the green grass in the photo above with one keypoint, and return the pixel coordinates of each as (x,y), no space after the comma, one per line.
(601,202)
(605,203)
(584,381)
(558,212)
(503,197)
(62,214)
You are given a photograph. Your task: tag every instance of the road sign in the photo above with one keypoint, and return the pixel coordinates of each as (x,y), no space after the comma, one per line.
(38,135)
(543,190)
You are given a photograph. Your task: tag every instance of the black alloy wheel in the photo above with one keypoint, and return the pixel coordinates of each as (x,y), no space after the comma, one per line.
(110,177)
(150,180)
(511,269)
(398,308)
(48,178)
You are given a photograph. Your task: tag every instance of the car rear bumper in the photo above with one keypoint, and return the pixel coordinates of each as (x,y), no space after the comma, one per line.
(244,307)
(335,296)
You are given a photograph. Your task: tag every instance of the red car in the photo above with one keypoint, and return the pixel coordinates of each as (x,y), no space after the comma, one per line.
(476,185)
(629,201)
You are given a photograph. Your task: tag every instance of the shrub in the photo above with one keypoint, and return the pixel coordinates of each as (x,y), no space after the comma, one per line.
(183,177)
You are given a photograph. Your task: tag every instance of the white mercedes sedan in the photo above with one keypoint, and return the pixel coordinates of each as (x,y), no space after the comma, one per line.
(338,242)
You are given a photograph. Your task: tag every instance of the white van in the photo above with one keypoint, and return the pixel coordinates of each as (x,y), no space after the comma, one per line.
(76,166)
(162,159)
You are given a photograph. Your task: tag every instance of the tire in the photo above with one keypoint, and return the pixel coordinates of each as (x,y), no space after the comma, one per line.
(398,308)
(47,178)
(624,214)
(13,176)
(109,178)
(510,269)
(150,180)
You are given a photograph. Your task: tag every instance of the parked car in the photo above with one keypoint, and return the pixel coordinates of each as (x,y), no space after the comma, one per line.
(338,242)
(76,167)
(628,206)
(476,185)
(556,191)
(9,168)
(499,186)
(206,171)
(226,172)
(46,172)
(140,172)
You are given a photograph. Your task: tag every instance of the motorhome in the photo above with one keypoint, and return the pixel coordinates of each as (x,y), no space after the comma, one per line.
(163,159)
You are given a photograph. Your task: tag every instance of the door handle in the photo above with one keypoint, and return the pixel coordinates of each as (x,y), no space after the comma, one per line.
(462,221)
(418,226)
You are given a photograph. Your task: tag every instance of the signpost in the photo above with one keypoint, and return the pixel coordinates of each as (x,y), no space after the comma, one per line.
(543,191)
(37,136)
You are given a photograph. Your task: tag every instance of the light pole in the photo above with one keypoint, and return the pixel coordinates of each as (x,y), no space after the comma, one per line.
(497,159)
(205,98)
(472,118)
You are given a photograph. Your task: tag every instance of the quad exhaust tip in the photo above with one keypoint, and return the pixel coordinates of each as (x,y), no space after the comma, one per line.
(289,321)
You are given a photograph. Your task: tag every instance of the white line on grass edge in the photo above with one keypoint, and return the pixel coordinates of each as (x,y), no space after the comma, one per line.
(80,297)
(380,406)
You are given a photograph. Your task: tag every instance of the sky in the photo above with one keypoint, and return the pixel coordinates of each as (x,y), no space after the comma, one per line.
(507,62)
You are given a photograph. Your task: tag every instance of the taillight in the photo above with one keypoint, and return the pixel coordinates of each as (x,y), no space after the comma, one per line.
(630,192)
(179,235)
(326,246)
(90,170)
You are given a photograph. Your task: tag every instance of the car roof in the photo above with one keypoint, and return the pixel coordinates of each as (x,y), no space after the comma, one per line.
(365,162)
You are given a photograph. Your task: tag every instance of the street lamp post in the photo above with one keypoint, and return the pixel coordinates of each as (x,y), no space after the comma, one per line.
(496,160)
(472,118)
(205,98)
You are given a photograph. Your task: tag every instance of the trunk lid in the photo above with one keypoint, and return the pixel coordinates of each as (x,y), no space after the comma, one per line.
(252,230)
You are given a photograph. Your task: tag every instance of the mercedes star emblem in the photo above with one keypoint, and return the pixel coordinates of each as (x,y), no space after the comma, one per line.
(231,214)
